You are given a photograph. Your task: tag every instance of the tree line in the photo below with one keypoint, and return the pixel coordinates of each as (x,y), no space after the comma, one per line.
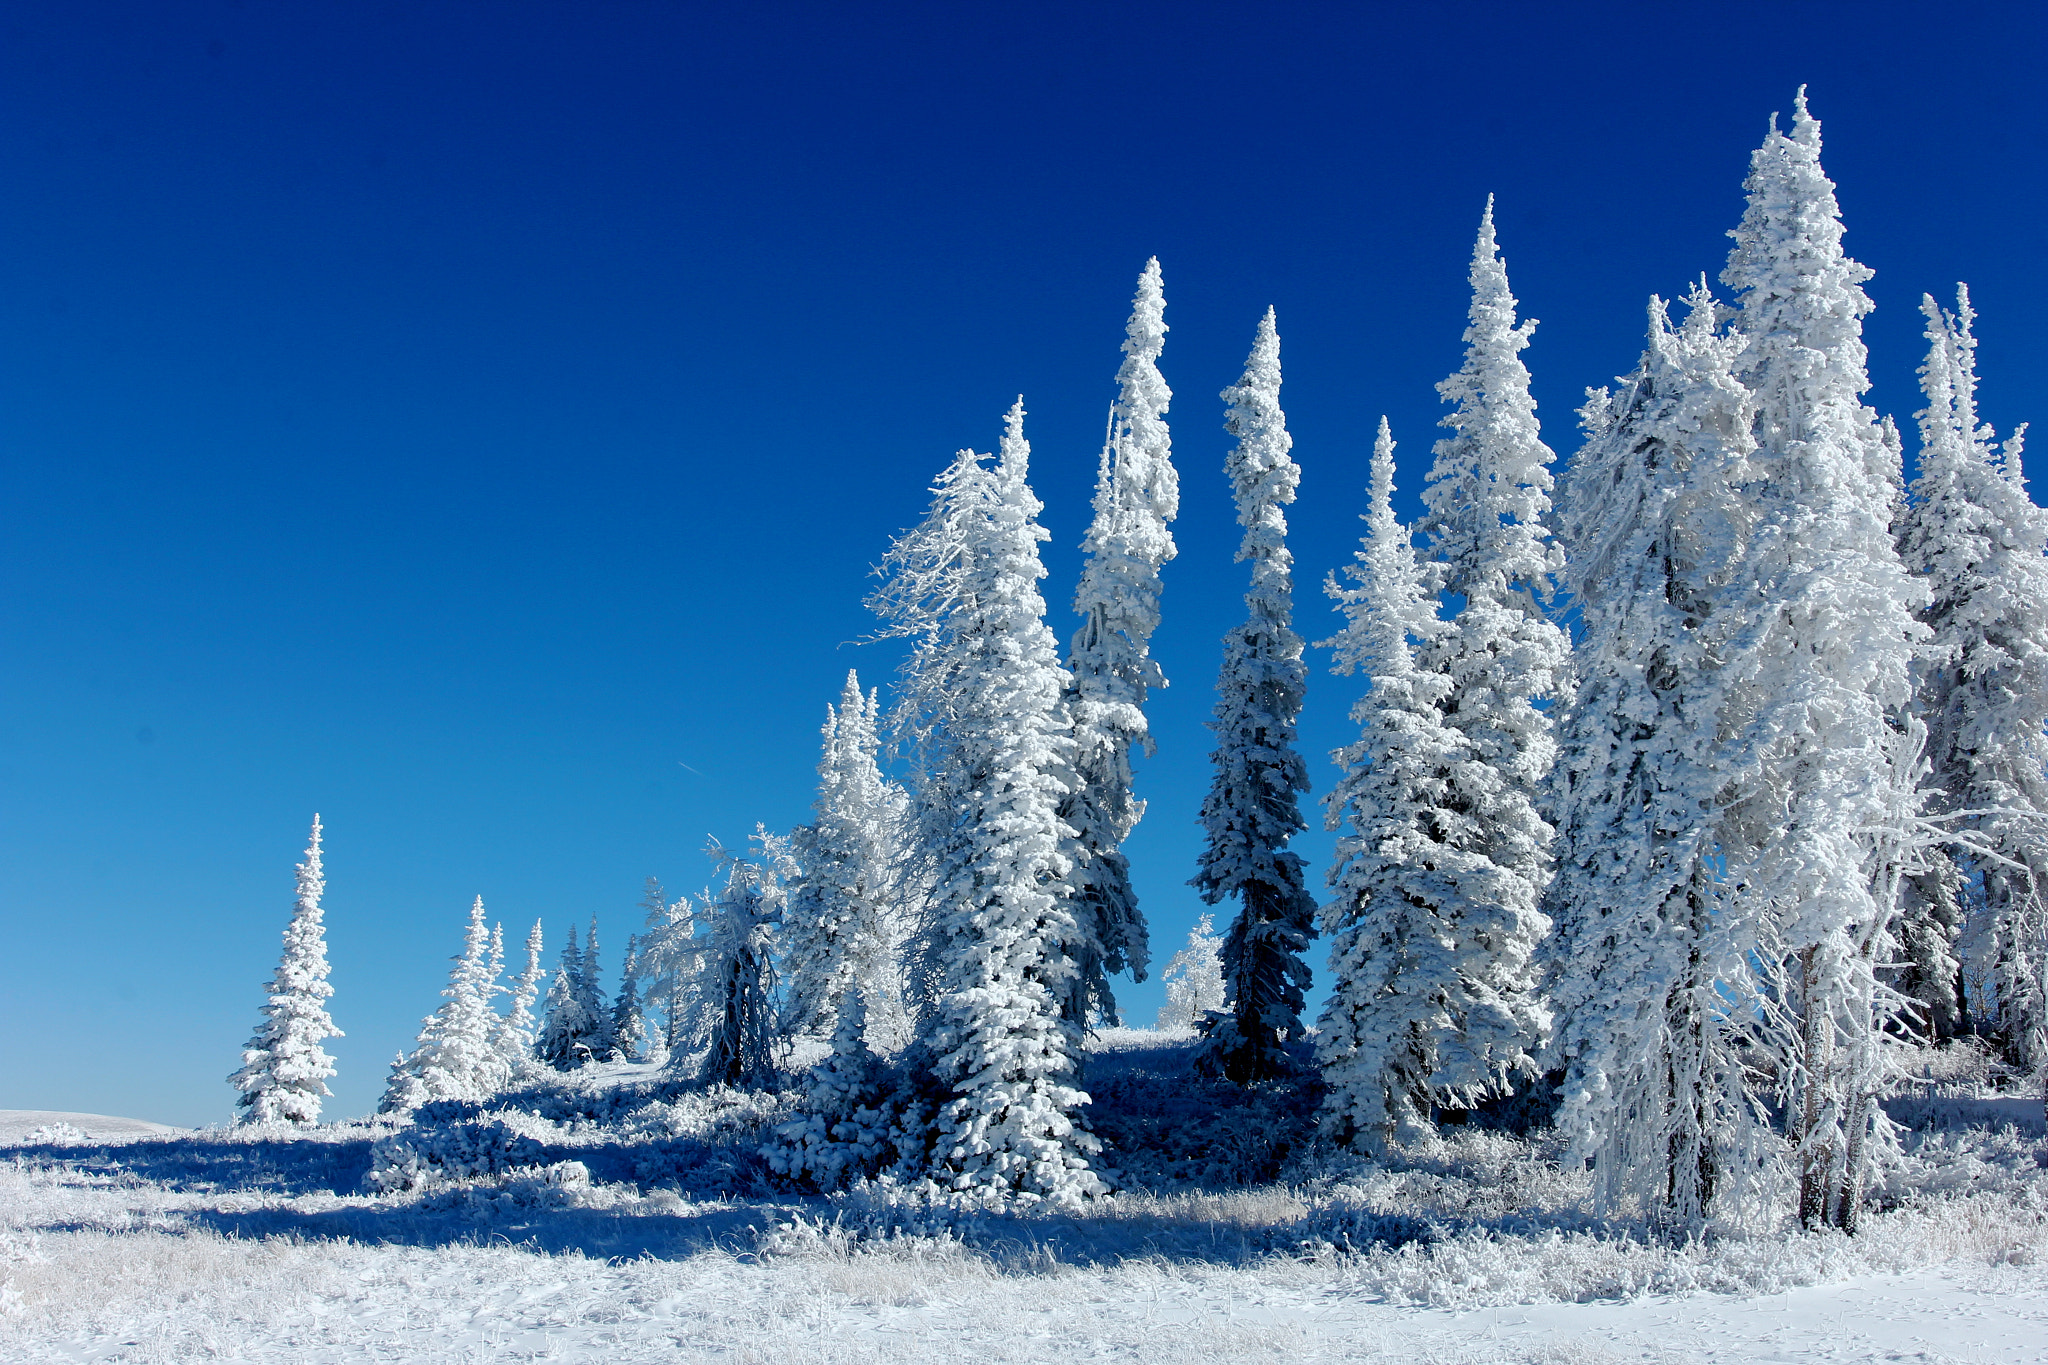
(1701,779)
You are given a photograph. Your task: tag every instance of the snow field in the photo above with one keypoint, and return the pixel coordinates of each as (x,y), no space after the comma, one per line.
(241,1245)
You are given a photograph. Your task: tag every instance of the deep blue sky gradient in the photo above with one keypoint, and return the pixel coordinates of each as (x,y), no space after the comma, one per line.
(476,422)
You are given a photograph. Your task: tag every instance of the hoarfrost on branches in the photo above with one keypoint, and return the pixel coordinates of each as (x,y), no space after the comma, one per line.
(982,702)
(1823,682)
(1193,978)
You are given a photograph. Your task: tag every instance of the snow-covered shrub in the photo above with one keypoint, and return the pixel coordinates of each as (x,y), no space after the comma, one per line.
(520,1193)
(421,1157)
(842,1130)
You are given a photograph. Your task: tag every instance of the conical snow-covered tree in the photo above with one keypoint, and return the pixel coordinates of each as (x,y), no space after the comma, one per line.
(627,1031)
(1137,496)
(1823,683)
(454,1058)
(1486,499)
(981,700)
(1419,1015)
(1253,807)
(1981,545)
(590,994)
(284,1069)
(1193,978)
(568,1024)
(842,927)
(1655,526)
(514,1034)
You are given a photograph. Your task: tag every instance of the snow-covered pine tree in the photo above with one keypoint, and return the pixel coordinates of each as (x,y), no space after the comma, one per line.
(1981,544)
(842,927)
(1193,978)
(628,1028)
(284,1069)
(514,1036)
(1253,806)
(981,700)
(1405,1027)
(590,994)
(1137,496)
(454,1058)
(1486,499)
(738,974)
(1824,680)
(567,1023)
(1655,524)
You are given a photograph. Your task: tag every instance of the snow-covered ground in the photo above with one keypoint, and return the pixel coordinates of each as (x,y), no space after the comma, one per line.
(606,1219)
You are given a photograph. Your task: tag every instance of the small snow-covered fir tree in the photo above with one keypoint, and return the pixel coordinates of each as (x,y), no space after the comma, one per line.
(568,1025)
(1414,1019)
(1655,525)
(514,1034)
(1823,683)
(590,995)
(981,701)
(843,927)
(627,1032)
(1981,545)
(455,1058)
(284,1069)
(1137,496)
(1253,807)
(1193,978)
(737,978)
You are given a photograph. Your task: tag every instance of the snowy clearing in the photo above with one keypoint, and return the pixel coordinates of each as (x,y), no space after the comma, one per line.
(638,1226)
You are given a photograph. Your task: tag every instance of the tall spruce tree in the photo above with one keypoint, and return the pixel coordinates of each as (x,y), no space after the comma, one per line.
(1976,537)
(1655,526)
(843,926)
(1823,683)
(454,1058)
(284,1069)
(981,700)
(1486,499)
(1253,807)
(1137,496)
(1413,1020)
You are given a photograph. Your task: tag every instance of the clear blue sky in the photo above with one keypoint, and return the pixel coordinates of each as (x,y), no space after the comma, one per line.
(476,421)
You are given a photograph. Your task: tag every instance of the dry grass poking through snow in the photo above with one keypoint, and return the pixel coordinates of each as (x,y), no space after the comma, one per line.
(243,1245)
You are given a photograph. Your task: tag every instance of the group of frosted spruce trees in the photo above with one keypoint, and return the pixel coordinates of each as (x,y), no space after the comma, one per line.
(1774,813)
